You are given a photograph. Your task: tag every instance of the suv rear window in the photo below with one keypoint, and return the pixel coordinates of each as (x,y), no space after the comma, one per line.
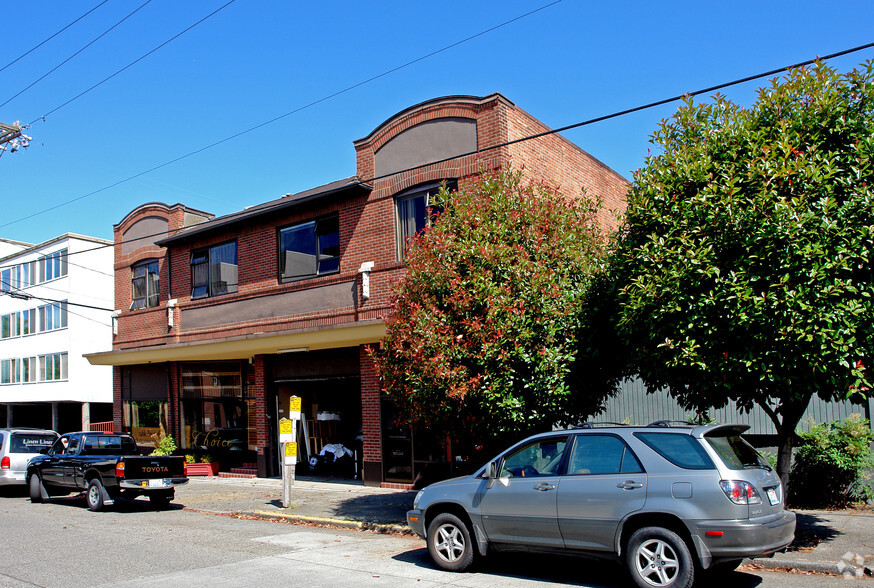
(30,442)
(679,449)
(735,451)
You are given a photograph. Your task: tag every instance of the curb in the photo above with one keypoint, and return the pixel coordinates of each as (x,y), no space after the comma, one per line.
(818,567)
(329,522)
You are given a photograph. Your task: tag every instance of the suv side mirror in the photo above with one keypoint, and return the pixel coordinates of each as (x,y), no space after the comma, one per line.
(491,473)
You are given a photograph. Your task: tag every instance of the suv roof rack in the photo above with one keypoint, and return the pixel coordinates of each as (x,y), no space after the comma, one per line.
(588,425)
(670,423)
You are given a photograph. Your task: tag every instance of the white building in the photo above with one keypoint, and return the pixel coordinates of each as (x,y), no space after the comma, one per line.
(56,301)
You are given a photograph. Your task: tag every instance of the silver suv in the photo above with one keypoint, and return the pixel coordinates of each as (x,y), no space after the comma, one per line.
(17,446)
(670,501)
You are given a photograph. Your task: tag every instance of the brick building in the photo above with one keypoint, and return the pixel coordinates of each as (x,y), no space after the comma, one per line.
(221,320)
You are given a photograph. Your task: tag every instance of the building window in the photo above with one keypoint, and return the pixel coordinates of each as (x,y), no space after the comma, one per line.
(53,316)
(53,367)
(310,249)
(28,321)
(214,270)
(9,371)
(27,274)
(9,325)
(9,279)
(53,265)
(415,207)
(28,369)
(144,285)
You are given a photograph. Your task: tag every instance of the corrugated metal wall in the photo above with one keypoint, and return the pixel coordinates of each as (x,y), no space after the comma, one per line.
(634,406)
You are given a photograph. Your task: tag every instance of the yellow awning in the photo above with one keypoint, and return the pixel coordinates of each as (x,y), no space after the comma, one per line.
(331,337)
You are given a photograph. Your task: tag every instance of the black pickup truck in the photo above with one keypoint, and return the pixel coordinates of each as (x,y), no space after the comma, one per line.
(105,466)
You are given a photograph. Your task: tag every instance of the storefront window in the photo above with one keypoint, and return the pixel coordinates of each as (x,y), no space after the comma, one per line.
(215,413)
(147,420)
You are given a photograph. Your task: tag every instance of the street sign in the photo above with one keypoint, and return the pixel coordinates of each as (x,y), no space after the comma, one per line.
(291,453)
(286,431)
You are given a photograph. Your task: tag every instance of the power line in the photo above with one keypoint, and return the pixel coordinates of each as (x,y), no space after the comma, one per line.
(134,62)
(28,52)
(271,121)
(484,149)
(57,67)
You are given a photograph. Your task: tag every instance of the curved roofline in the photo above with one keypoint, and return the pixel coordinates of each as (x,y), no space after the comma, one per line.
(455,99)
(165,206)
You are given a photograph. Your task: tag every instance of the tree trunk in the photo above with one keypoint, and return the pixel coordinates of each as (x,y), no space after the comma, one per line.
(791,413)
(785,444)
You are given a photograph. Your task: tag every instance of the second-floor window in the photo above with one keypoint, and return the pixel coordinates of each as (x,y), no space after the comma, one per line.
(53,316)
(28,321)
(9,325)
(144,285)
(310,249)
(53,367)
(9,371)
(214,270)
(413,208)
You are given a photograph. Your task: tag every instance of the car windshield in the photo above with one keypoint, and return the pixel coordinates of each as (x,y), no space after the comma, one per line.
(30,442)
(735,452)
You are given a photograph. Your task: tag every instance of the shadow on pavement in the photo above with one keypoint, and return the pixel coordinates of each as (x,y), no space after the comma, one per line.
(565,569)
(810,531)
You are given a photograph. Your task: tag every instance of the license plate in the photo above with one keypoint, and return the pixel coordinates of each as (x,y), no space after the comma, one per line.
(160,484)
(772,496)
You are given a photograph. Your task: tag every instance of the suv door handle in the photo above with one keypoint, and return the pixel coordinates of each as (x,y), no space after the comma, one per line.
(543,487)
(629,485)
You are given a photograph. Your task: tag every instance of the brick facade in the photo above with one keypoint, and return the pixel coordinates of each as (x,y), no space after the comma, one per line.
(252,324)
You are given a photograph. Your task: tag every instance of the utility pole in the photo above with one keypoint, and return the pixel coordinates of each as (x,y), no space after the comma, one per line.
(12,138)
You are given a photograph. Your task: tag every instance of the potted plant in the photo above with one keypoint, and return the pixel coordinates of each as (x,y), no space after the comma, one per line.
(206,467)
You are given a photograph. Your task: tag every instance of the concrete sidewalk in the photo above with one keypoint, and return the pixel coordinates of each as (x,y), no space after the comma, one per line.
(835,542)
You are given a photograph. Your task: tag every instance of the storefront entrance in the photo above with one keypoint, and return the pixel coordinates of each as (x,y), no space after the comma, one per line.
(329,430)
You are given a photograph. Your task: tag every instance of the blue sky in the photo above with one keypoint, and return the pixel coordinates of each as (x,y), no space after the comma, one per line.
(254,61)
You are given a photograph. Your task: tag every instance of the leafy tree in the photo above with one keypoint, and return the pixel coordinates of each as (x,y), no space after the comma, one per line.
(744,269)
(482,331)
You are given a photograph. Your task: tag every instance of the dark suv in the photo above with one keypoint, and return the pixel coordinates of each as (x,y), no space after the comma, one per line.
(668,500)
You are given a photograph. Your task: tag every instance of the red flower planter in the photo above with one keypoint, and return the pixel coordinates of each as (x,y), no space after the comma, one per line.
(202,469)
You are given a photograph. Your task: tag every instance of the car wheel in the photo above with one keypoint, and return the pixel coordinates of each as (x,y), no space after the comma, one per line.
(37,490)
(94,496)
(659,558)
(449,543)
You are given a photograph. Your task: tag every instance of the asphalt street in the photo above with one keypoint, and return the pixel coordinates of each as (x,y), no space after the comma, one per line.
(63,544)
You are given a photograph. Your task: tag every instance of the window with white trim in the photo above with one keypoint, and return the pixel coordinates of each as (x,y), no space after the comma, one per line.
(9,371)
(53,316)
(28,369)
(53,367)
(9,325)
(53,265)
(28,321)
(310,249)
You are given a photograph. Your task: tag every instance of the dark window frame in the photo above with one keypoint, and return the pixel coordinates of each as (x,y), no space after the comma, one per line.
(647,438)
(203,264)
(324,253)
(623,460)
(407,224)
(149,299)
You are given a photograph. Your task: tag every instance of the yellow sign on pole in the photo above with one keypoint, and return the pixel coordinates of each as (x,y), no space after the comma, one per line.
(294,408)
(284,427)
(291,453)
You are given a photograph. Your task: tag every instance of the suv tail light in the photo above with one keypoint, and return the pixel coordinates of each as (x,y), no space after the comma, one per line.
(5,464)
(119,469)
(740,492)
